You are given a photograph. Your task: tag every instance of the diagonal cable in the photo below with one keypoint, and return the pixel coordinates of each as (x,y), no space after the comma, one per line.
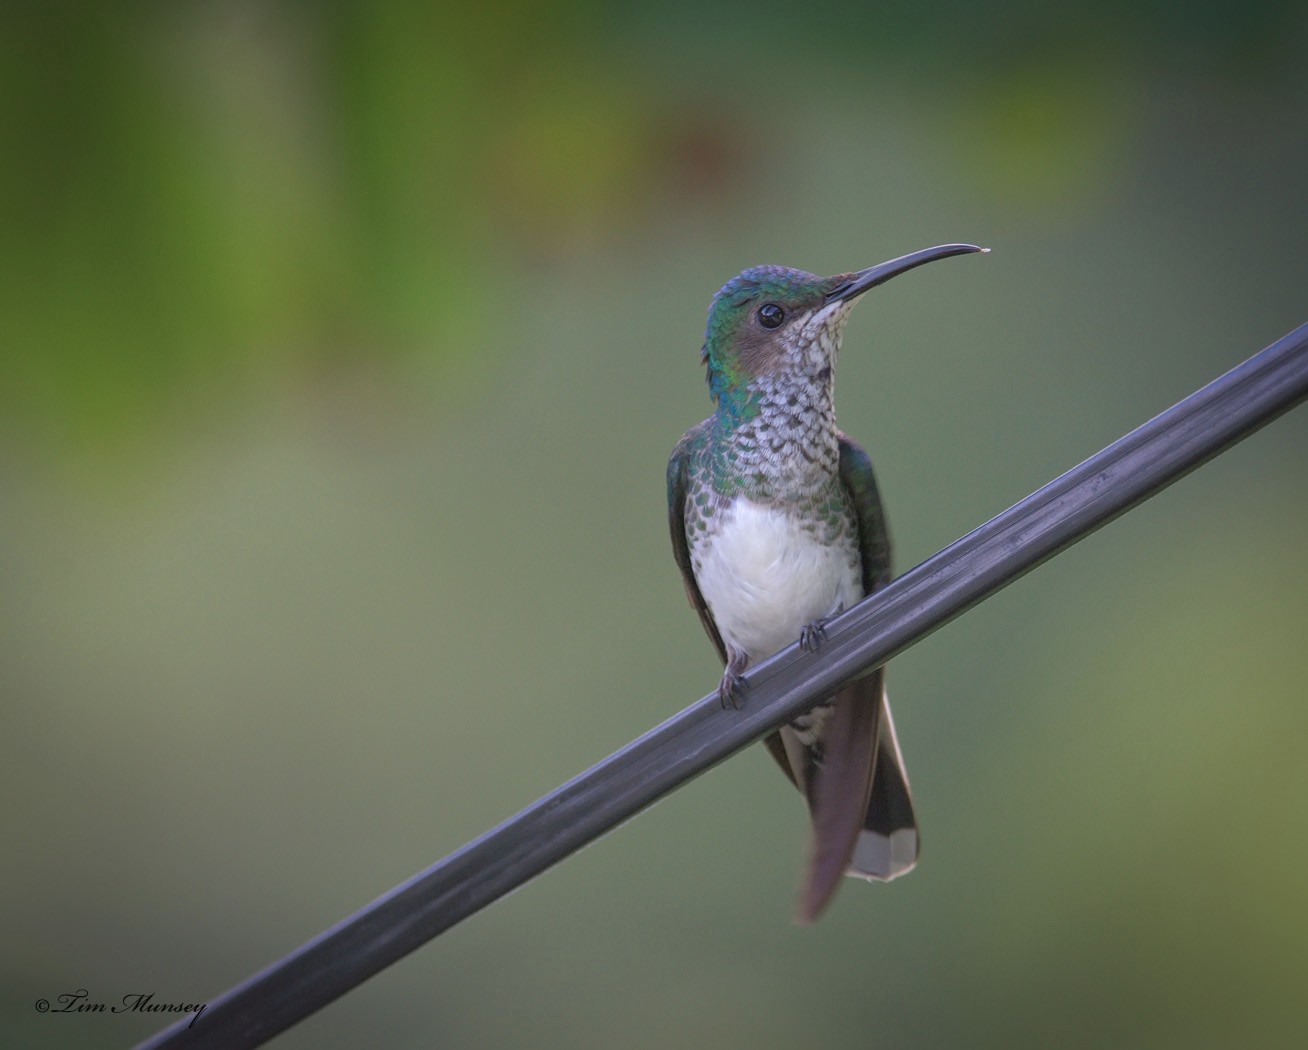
(943,587)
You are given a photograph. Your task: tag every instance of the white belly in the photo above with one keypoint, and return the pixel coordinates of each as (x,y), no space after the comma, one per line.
(764,578)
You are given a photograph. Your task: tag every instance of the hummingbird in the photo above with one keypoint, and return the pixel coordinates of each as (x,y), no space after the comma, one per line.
(777,527)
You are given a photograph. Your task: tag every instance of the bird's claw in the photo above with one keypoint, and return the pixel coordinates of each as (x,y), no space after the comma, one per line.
(812,636)
(731,690)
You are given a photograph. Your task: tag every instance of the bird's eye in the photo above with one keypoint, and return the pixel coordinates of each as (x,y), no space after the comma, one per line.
(770,315)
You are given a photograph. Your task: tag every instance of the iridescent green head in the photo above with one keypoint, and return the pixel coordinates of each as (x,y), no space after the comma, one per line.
(772,317)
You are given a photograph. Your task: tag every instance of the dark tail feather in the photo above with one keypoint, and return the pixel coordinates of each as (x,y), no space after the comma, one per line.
(888,844)
(839,789)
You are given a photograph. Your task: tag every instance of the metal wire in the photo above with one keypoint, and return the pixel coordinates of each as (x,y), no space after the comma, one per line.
(968,571)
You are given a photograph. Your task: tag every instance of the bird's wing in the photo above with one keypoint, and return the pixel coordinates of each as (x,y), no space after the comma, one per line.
(678,473)
(873,535)
(850,781)
(888,845)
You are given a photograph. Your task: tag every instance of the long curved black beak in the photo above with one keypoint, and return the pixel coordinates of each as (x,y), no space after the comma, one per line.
(858,283)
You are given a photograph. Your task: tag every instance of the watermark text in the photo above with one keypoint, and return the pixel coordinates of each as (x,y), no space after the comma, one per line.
(80,1002)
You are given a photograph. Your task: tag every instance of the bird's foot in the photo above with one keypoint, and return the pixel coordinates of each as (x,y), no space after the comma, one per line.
(732,688)
(813,635)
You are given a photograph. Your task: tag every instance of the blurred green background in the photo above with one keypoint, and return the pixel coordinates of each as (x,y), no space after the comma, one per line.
(341,349)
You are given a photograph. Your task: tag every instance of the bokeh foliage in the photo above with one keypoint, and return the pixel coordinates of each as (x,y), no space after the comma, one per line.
(198,195)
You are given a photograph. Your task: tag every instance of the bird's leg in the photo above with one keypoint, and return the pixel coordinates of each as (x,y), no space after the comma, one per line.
(732,685)
(812,635)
